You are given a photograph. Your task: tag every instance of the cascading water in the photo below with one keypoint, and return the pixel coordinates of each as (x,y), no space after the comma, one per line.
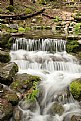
(48,59)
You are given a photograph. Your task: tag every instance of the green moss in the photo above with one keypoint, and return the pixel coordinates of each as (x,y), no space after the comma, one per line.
(75,88)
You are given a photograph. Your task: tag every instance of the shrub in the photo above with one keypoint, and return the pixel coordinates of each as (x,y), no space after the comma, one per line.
(72,46)
(10,8)
(77,28)
(21,29)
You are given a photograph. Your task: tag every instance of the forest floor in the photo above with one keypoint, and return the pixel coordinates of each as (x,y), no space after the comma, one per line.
(61,11)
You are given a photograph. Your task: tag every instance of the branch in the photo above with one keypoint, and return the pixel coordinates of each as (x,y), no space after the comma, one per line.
(22,16)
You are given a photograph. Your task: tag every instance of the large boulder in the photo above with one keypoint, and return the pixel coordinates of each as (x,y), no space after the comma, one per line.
(4,56)
(6,110)
(7,73)
(56,108)
(75,89)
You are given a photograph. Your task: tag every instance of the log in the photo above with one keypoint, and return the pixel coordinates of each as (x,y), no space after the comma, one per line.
(22,16)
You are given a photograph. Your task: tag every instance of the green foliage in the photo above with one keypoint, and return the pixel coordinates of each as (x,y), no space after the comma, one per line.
(11,30)
(75,88)
(27,29)
(78,14)
(28,10)
(77,28)
(42,2)
(33,95)
(21,29)
(57,18)
(72,46)
(10,8)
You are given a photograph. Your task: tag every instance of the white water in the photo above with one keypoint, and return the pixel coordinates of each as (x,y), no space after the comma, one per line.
(49,60)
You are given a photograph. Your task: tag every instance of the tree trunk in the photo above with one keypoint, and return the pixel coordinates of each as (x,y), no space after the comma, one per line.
(11,2)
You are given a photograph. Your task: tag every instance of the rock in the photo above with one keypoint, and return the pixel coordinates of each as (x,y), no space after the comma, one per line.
(63,97)
(6,110)
(13,26)
(26,105)
(4,41)
(12,98)
(75,89)
(17,114)
(72,118)
(56,108)
(76,118)
(4,56)
(33,20)
(23,82)
(8,72)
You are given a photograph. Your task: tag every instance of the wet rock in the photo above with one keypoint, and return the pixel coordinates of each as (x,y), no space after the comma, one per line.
(7,73)
(6,110)
(63,96)
(56,108)
(75,88)
(26,105)
(4,56)
(17,114)
(23,82)
(72,118)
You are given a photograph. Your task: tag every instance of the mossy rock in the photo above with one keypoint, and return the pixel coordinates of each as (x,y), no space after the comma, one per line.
(24,82)
(6,110)
(75,88)
(4,56)
(56,108)
(8,72)
(12,98)
(5,41)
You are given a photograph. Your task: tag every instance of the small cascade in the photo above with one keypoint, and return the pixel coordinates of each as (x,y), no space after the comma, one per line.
(48,59)
(51,45)
(46,54)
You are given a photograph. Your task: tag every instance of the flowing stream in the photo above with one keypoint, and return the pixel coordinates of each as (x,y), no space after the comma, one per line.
(48,59)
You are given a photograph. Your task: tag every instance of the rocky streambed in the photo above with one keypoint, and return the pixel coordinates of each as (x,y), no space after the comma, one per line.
(16,87)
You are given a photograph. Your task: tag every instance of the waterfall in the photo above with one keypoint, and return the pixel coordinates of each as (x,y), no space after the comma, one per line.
(48,59)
